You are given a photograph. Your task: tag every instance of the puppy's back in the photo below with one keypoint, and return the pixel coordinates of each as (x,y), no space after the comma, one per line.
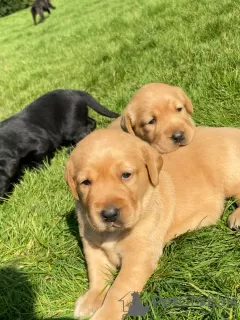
(212,158)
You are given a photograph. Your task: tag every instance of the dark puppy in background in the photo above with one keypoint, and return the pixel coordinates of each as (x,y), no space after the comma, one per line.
(58,118)
(38,7)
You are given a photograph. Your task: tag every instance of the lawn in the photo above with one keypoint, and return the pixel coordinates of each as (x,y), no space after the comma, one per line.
(111,48)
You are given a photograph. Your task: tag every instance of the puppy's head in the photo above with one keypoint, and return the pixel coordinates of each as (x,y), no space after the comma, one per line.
(160,114)
(110,172)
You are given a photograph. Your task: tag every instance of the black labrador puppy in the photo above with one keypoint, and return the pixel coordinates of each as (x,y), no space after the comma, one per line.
(38,7)
(58,118)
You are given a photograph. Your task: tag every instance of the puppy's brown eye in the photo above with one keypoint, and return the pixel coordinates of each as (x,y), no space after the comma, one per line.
(86,182)
(152,121)
(126,175)
(179,109)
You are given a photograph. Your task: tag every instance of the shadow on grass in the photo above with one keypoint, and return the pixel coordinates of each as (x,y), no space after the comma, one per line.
(17,296)
(72,223)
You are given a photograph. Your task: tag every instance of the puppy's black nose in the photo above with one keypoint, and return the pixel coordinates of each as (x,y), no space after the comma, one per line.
(110,214)
(178,136)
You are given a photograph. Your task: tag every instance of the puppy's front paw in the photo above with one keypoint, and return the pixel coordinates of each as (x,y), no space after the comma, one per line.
(100,315)
(109,312)
(88,303)
(234,220)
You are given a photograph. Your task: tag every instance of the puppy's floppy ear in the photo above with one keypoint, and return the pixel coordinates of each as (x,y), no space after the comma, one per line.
(127,121)
(70,179)
(154,163)
(188,105)
(186,101)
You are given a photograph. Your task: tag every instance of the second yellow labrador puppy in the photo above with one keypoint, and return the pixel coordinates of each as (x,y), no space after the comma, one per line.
(159,114)
(128,210)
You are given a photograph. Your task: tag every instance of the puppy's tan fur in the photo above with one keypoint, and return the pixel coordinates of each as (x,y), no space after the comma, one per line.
(188,193)
(155,113)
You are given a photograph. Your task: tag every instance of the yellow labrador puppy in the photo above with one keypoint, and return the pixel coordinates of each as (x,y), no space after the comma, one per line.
(159,114)
(127,209)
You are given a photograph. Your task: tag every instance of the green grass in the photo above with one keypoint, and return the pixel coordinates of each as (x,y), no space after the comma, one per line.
(111,48)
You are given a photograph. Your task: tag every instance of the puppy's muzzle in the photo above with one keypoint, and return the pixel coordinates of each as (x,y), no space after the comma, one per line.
(178,136)
(110,214)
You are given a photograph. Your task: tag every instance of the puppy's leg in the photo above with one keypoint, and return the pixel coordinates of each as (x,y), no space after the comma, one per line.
(50,5)
(234,218)
(136,270)
(40,11)
(34,14)
(8,171)
(99,273)
(91,125)
(4,184)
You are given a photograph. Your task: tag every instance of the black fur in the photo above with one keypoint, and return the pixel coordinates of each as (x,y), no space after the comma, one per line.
(38,7)
(55,119)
